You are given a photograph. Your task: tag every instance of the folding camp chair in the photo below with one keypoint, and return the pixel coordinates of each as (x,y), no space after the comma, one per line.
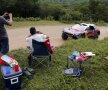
(79,57)
(73,70)
(40,53)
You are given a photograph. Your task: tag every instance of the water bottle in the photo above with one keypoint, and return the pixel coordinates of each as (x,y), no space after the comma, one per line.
(16,68)
(27,73)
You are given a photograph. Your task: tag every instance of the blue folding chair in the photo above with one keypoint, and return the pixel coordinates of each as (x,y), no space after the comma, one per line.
(40,53)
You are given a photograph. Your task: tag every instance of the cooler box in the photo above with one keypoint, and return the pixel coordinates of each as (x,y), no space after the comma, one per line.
(12,79)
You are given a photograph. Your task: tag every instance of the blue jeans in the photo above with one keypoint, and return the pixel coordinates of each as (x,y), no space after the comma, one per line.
(4,45)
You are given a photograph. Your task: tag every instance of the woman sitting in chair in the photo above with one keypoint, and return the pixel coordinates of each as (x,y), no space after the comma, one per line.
(40,37)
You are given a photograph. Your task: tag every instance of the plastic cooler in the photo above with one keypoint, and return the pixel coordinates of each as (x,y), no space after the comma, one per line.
(12,79)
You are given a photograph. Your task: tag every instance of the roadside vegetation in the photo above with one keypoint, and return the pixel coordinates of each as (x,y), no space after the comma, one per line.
(95,69)
(22,22)
(28,23)
(59,10)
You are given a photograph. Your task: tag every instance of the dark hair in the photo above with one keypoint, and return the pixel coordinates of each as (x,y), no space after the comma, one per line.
(32,30)
(6,16)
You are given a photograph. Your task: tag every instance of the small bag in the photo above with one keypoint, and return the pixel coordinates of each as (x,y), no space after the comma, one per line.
(2,62)
(75,71)
(8,60)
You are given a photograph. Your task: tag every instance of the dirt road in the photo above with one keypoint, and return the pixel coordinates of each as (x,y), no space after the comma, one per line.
(17,36)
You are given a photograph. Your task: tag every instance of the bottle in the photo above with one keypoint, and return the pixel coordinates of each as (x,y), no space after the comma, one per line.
(27,73)
(16,68)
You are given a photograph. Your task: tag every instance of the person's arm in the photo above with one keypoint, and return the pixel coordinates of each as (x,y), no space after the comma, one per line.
(45,36)
(28,41)
(10,20)
(29,44)
(29,35)
(7,21)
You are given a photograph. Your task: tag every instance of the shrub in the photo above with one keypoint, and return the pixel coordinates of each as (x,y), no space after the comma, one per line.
(101,23)
(18,19)
(66,18)
(33,19)
(26,19)
(49,18)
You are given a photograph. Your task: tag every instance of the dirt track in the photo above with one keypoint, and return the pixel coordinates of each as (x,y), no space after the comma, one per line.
(17,36)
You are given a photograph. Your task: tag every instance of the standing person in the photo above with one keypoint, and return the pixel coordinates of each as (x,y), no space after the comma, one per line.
(5,19)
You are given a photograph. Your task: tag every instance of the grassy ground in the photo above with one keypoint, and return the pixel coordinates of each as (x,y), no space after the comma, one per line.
(21,24)
(18,24)
(94,77)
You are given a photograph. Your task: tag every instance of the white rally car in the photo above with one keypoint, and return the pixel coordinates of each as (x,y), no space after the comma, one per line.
(79,30)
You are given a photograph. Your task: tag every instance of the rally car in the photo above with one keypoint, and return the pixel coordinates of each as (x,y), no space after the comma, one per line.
(81,30)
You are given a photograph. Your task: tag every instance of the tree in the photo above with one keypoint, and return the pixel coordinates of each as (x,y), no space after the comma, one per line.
(98,10)
(6,5)
(26,8)
(93,4)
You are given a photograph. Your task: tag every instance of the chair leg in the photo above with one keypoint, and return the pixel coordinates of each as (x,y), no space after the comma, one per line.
(67,63)
(48,62)
(50,57)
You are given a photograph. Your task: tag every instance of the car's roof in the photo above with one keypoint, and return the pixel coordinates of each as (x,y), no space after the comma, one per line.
(87,24)
(81,26)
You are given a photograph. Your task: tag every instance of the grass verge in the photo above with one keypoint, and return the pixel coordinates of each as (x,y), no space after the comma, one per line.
(25,23)
(19,24)
(95,76)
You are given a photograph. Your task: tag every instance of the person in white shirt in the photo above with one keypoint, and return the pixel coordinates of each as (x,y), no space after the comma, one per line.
(38,36)
(35,36)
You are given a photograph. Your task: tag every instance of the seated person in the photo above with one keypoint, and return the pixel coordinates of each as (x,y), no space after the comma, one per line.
(38,36)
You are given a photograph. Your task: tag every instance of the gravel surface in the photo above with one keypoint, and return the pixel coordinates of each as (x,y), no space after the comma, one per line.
(17,36)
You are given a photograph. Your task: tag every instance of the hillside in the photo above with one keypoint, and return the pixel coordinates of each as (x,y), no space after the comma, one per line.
(64,1)
(68,1)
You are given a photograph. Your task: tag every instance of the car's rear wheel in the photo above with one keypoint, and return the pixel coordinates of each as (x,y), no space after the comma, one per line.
(64,36)
(93,35)
(98,33)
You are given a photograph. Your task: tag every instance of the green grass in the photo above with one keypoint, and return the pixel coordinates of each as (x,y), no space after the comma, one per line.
(20,24)
(26,23)
(94,77)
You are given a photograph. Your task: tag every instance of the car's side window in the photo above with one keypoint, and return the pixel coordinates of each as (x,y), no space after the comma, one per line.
(87,29)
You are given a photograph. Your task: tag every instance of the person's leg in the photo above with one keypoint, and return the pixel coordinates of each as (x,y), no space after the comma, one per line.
(30,60)
(0,48)
(0,45)
(4,46)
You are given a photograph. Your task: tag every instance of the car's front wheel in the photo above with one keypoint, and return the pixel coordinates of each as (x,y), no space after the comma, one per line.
(64,36)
